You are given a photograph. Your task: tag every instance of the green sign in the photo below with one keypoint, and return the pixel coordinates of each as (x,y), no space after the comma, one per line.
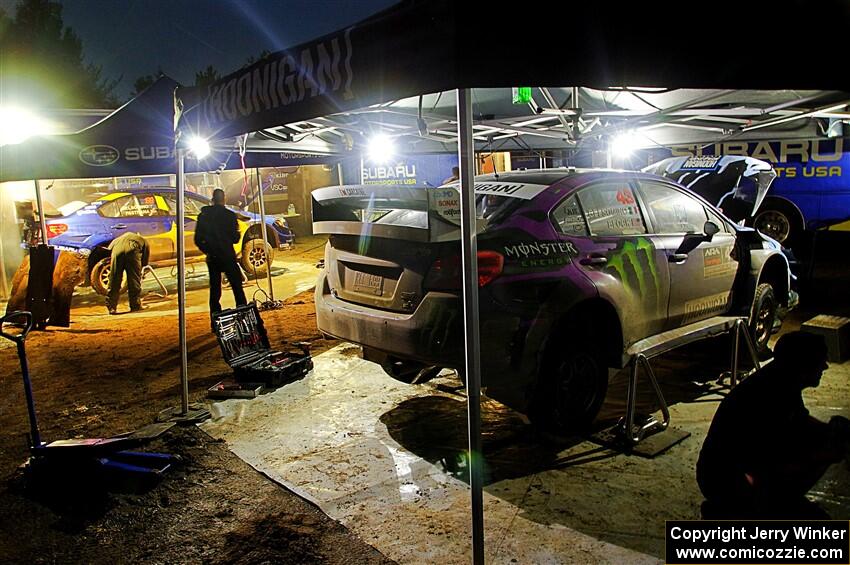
(521,94)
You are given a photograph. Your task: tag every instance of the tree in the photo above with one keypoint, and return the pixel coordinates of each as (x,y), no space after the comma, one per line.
(42,61)
(143,82)
(206,77)
(254,58)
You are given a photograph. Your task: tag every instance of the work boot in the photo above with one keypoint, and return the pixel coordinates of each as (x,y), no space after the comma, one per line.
(136,308)
(112,310)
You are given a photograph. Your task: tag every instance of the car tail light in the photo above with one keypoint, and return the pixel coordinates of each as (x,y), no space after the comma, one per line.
(445,273)
(56,229)
(490,264)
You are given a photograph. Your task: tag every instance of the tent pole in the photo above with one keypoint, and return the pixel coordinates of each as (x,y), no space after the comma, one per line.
(181,279)
(265,235)
(469,252)
(41,219)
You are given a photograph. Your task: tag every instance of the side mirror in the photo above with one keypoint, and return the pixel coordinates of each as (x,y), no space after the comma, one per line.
(692,240)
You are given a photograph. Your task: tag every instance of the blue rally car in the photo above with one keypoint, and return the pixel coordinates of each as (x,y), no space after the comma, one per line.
(90,225)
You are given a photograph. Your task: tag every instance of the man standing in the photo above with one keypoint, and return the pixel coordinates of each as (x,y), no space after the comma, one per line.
(764,451)
(130,253)
(216,232)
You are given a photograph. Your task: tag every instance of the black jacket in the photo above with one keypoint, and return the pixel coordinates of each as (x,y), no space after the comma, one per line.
(130,242)
(216,232)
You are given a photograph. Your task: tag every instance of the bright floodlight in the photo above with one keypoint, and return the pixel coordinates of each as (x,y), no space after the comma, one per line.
(18,124)
(625,144)
(199,147)
(381,148)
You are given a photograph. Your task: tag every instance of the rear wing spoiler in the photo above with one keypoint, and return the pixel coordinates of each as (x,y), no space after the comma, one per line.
(413,213)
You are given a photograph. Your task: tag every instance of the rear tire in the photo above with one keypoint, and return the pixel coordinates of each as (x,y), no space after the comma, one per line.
(763,315)
(255,261)
(99,277)
(570,391)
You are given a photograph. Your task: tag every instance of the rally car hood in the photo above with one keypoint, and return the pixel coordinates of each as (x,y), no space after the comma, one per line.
(734,183)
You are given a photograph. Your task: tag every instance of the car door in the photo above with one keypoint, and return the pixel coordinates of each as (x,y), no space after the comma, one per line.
(609,231)
(140,214)
(191,211)
(701,279)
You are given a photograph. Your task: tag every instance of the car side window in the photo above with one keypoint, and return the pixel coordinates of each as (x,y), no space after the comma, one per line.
(191,206)
(712,217)
(611,209)
(124,207)
(147,207)
(672,211)
(568,217)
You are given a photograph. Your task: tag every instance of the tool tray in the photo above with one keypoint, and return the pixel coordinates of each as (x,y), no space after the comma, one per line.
(245,347)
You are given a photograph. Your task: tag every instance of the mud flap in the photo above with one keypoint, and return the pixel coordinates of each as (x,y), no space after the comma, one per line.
(40,284)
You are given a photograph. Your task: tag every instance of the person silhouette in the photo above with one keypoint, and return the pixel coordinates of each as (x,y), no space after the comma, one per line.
(763,451)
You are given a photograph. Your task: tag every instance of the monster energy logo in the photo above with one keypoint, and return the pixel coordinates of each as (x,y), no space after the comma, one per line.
(634,264)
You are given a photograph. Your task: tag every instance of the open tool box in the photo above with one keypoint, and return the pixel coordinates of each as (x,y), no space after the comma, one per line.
(245,346)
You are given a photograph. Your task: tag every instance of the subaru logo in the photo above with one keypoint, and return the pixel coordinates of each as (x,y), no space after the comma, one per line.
(99,155)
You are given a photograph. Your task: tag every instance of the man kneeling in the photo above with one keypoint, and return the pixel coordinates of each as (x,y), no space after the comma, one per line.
(764,451)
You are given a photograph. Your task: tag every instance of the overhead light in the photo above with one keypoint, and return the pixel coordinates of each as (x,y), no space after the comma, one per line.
(199,147)
(17,124)
(381,148)
(625,144)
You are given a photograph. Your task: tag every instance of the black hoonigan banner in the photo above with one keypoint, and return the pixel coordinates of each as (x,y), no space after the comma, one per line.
(742,542)
(401,52)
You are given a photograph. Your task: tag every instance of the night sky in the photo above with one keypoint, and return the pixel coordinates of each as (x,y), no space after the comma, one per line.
(134,37)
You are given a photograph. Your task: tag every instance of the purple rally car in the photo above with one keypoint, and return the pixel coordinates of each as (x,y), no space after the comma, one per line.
(575,266)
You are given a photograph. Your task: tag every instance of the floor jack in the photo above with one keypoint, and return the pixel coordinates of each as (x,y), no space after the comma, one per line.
(102,461)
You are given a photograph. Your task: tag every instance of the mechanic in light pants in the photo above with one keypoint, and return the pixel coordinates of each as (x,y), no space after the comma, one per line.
(130,252)
(216,232)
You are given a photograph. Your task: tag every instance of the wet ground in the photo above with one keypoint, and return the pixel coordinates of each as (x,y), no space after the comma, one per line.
(386,460)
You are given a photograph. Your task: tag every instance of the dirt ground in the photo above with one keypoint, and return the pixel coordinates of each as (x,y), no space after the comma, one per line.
(107,375)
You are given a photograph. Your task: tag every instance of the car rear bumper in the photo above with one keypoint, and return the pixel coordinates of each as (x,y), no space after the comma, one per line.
(432,334)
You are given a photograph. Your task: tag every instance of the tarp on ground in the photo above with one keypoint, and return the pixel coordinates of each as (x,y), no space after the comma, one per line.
(420,47)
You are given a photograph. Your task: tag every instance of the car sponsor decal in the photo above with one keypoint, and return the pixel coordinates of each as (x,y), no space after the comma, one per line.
(701,163)
(705,307)
(633,262)
(446,203)
(542,255)
(351,191)
(519,190)
(718,262)
(99,155)
(512,189)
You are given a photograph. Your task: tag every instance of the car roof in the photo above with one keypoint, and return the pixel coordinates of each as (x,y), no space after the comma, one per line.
(551,176)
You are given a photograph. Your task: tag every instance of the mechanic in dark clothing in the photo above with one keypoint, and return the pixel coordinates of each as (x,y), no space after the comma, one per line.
(215,234)
(130,252)
(764,451)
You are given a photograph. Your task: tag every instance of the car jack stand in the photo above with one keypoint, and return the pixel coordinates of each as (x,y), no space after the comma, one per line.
(104,460)
(740,331)
(644,438)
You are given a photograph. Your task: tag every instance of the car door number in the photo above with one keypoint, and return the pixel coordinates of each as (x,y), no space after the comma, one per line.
(368,283)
